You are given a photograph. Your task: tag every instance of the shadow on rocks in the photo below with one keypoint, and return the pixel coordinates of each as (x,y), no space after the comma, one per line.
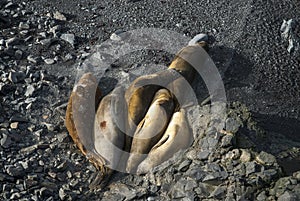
(284,139)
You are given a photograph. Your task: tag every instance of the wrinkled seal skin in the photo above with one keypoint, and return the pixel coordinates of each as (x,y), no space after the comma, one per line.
(177,136)
(151,128)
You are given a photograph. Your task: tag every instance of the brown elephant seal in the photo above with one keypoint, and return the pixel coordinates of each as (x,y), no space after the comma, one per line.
(189,53)
(177,136)
(81,109)
(151,128)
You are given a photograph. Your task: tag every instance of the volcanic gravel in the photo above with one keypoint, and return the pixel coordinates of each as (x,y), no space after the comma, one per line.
(255,157)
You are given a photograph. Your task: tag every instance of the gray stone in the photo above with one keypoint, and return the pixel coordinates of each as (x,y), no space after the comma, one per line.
(115,37)
(245,156)
(261,196)
(15,171)
(192,154)
(46,42)
(29,90)
(23,25)
(49,61)
(219,192)
(18,54)
(61,137)
(12,41)
(232,125)
(5,141)
(265,158)
(184,165)
(269,175)
(61,194)
(197,38)
(203,155)
(55,30)
(59,16)
(190,185)
(16,77)
(288,196)
(15,196)
(31,59)
(250,167)
(196,173)
(70,38)
(227,141)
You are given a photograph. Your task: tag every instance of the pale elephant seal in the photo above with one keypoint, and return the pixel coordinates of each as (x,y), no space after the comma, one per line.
(177,136)
(151,128)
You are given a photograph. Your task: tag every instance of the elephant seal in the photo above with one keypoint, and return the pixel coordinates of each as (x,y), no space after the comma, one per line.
(177,136)
(80,112)
(151,128)
(189,53)
(109,127)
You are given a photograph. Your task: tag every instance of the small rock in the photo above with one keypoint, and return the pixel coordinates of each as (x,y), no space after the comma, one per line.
(245,156)
(115,37)
(198,38)
(70,38)
(15,196)
(68,57)
(262,196)
(24,164)
(227,141)
(203,155)
(46,42)
(50,127)
(31,59)
(23,25)
(184,165)
(18,54)
(13,41)
(61,194)
(59,16)
(219,192)
(49,61)
(29,90)
(55,30)
(15,171)
(16,77)
(250,167)
(232,125)
(265,158)
(288,196)
(190,185)
(14,125)
(61,137)
(5,141)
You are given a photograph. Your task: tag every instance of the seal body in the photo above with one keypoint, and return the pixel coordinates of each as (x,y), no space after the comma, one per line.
(80,112)
(151,128)
(177,136)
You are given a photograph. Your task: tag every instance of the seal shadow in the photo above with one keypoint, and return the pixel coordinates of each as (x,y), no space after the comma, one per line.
(282,133)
